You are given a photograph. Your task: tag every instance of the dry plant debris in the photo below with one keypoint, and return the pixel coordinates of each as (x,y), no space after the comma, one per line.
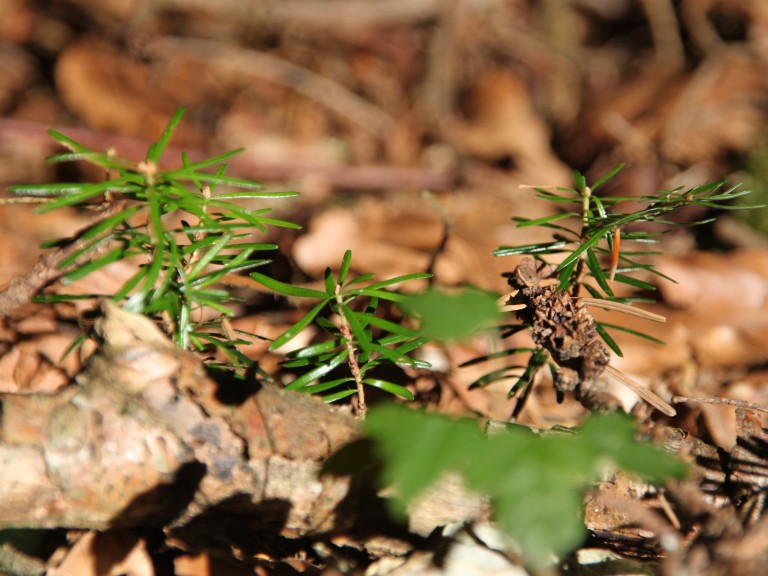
(360,105)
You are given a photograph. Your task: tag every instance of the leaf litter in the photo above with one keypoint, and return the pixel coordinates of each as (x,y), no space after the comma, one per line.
(488,97)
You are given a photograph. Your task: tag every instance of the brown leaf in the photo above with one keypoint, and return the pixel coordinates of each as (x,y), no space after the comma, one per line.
(113,553)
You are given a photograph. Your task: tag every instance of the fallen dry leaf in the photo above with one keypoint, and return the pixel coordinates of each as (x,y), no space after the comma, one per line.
(112,553)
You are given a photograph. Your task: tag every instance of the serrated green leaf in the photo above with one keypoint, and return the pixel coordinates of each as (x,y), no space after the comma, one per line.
(536,483)
(417,447)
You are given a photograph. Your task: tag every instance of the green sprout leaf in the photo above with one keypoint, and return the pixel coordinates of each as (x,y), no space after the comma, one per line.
(447,316)
(536,483)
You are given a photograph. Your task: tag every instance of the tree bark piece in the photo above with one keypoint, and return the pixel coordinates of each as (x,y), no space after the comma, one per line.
(146,437)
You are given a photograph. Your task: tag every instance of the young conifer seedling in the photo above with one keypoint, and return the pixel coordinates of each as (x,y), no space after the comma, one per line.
(183,235)
(552,300)
(188,240)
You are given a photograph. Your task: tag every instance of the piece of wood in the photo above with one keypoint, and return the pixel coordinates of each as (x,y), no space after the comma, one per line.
(146,437)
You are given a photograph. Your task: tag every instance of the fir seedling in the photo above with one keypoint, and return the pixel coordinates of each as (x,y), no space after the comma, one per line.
(551,300)
(358,339)
(182,234)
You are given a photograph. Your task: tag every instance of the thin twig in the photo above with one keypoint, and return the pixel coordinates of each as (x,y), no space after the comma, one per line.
(719,400)
(354,366)
(625,308)
(22,290)
(641,391)
(667,509)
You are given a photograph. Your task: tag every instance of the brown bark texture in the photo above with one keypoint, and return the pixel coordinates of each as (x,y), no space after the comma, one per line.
(146,437)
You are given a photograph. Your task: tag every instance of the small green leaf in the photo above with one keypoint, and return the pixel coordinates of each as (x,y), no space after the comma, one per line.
(330,283)
(328,385)
(523,223)
(608,339)
(336,396)
(543,248)
(386,325)
(632,332)
(156,150)
(317,372)
(588,243)
(597,273)
(113,255)
(56,298)
(315,349)
(362,338)
(579,180)
(287,289)
(395,356)
(67,142)
(110,223)
(294,330)
(452,316)
(346,262)
(359,279)
(377,286)
(382,294)
(624,279)
(192,167)
(209,255)
(390,387)
(610,174)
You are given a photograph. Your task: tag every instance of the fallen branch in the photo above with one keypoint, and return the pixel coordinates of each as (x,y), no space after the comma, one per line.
(147,438)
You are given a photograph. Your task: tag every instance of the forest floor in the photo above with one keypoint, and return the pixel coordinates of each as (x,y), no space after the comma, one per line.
(402,122)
